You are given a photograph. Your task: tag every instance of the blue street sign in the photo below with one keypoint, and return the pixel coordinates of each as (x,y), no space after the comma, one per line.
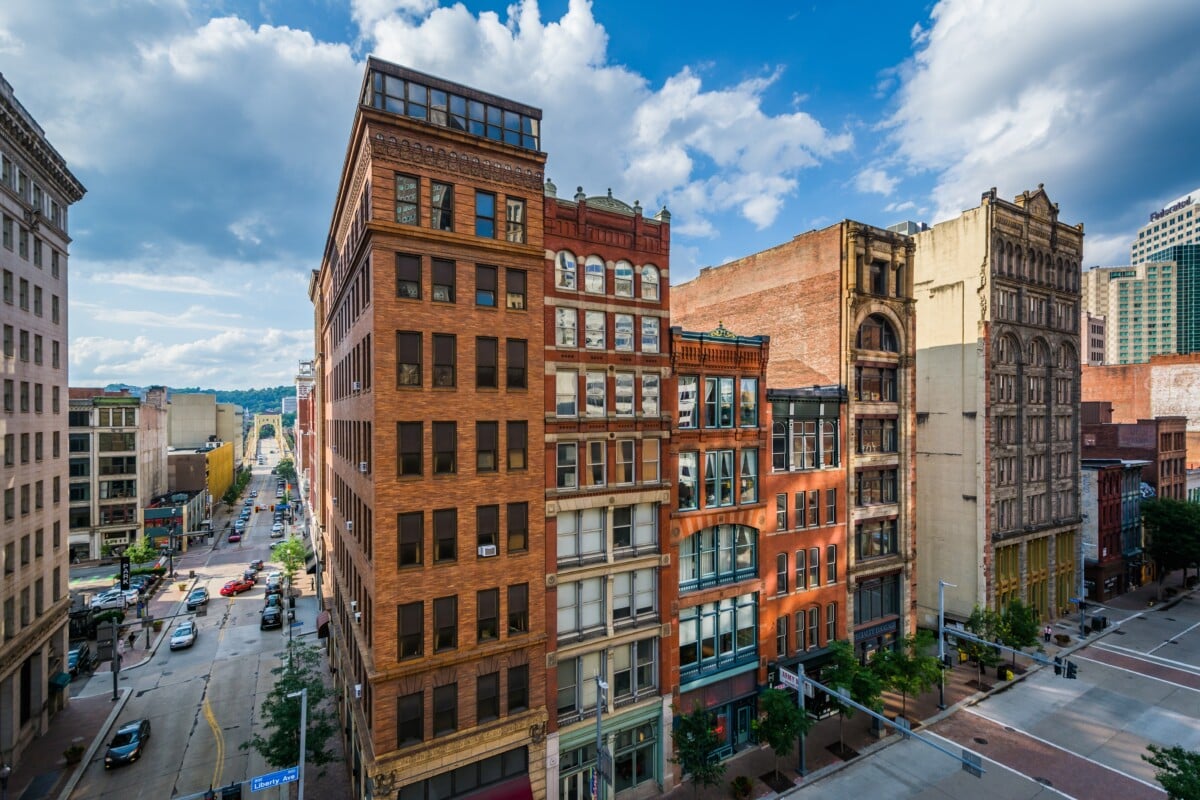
(289,775)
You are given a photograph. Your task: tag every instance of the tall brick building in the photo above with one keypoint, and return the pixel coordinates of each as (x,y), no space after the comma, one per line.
(998,407)
(607,495)
(838,307)
(430,318)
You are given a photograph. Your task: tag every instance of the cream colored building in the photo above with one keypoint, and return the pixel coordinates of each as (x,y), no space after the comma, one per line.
(1139,306)
(1178,222)
(997,291)
(36,188)
(118,464)
(197,419)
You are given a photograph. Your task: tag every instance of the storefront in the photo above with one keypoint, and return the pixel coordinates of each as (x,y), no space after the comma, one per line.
(635,739)
(734,702)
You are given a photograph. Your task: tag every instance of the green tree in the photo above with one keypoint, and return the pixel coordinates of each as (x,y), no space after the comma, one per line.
(287,470)
(1172,535)
(290,555)
(696,741)
(908,668)
(847,672)
(780,722)
(1177,769)
(984,623)
(141,551)
(1018,626)
(281,714)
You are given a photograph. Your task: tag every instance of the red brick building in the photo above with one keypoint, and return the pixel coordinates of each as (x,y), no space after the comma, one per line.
(608,585)
(716,456)
(1100,497)
(1161,441)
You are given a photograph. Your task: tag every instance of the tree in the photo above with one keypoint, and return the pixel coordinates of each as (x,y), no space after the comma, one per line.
(1017,626)
(983,623)
(1172,535)
(907,668)
(695,742)
(780,722)
(286,469)
(281,714)
(141,551)
(1177,769)
(863,684)
(290,553)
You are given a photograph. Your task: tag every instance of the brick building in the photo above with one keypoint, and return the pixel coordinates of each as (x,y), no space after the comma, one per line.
(716,529)
(428,308)
(1161,442)
(998,407)
(838,307)
(1111,499)
(607,496)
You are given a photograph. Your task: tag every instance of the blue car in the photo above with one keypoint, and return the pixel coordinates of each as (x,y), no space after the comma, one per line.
(126,747)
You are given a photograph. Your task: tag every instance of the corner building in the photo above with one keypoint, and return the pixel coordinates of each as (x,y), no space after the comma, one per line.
(607,493)
(429,503)
(998,408)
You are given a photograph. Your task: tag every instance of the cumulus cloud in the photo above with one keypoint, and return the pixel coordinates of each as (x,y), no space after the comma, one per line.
(873,180)
(1073,94)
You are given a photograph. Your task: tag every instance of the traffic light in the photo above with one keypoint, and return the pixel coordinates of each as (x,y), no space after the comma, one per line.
(1072,670)
(1058,665)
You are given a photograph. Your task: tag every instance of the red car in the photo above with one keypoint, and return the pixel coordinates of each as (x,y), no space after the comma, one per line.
(236,587)
(235,537)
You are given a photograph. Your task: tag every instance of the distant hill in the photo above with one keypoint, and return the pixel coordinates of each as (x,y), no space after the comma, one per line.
(254,401)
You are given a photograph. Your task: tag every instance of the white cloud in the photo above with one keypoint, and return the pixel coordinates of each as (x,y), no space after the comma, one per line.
(875,181)
(150,282)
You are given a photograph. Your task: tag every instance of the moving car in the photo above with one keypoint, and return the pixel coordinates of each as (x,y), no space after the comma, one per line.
(113,598)
(277,530)
(254,493)
(79,658)
(126,747)
(235,537)
(257,564)
(250,575)
(184,635)
(272,617)
(235,587)
(196,598)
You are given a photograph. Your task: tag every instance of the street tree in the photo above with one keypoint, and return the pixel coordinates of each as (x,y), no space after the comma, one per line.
(1172,535)
(695,742)
(286,468)
(1177,769)
(290,555)
(141,551)
(780,722)
(862,684)
(908,668)
(1017,626)
(984,623)
(280,714)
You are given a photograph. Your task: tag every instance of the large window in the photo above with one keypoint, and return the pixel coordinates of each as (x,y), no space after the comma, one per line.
(445,709)
(748,403)
(518,609)
(650,334)
(876,598)
(485,286)
(410,528)
(636,527)
(487,697)
(445,358)
(593,272)
(623,332)
(445,534)
(623,279)
(593,330)
(748,476)
(445,623)
(515,220)
(443,281)
(876,435)
(518,688)
(623,386)
(514,289)
(595,385)
(716,635)
(410,719)
(581,535)
(689,467)
(718,478)
(875,487)
(564,270)
(581,607)
(408,358)
(411,628)
(716,555)
(441,209)
(649,282)
(487,615)
(410,454)
(650,407)
(445,448)
(515,367)
(718,402)
(633,597)
(635,669)
(802,438)
(487,527)
(577,684)
(876,333)
(565,326)
(486,355)
(485,214)
(875,539)
(518,527)
(518,443)
(487,456)
(407,199)
(408,276)
(567,465)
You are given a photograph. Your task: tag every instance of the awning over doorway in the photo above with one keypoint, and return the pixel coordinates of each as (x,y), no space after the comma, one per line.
(60,680)
(310,562)
(323,618)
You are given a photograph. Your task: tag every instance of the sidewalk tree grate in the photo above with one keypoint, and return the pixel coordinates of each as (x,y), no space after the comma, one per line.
(980,740)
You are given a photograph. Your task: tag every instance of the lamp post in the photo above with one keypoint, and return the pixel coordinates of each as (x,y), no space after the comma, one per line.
(303,695)
(942,640)
(5,771)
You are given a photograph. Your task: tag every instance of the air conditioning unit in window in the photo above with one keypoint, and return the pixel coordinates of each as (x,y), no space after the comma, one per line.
(335,501)
(349,524)
(362,467)
(487,550)
(358,616)
(358,691)
(356,386)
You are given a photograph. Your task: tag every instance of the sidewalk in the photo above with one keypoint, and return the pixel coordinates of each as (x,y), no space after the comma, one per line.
(758,762)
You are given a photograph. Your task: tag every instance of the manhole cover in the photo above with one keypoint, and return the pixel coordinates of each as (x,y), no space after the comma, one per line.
(1044,781)
(980,740)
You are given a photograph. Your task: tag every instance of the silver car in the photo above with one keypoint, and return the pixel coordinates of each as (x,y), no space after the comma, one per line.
(184,635)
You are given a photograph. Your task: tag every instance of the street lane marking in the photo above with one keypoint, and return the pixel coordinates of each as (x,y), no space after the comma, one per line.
(953,744)
(1180,665)
(1062,749)
(1135,672)
(1177,636)
(219,767)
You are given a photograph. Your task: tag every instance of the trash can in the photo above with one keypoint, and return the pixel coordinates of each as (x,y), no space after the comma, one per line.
(1099,623)
(191,573)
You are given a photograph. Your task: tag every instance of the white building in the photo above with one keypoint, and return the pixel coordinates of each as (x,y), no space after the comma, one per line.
(1178,222)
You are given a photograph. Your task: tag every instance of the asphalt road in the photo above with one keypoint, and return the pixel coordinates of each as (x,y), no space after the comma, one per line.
(201,701)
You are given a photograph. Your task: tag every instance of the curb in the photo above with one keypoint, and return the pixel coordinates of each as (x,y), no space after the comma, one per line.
(101,735)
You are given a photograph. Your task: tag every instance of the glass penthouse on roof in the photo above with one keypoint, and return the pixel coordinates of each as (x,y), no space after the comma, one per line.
(413,94)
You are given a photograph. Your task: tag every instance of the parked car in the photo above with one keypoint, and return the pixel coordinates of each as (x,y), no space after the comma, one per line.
(277,530)
(196,598)
(250,575)
(254,493)
(235,537)
(239,524)
(272,617)
(257,564)
(184,635)
(79,658)
(109,599)
(126,747)
(132,595)
(274,600)
(236,587)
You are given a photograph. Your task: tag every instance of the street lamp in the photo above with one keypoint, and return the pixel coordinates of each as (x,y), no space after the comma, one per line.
(303,695)
(942,640)
(5,771)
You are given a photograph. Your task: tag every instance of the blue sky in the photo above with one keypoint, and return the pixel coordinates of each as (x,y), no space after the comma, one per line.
(210,135)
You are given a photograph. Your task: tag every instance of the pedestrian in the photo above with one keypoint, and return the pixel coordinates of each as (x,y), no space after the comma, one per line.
(1046,632)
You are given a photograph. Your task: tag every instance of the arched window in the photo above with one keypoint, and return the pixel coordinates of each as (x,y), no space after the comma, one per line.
(649,282)
(593,275)
(564,270)
(1006,350)
(623,283)
(876,333)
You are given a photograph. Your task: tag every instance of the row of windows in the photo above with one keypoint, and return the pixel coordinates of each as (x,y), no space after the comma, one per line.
(720,478)
(33,498)
(808,569)
(18,235)
(21,182)
(591,459)
(412,543)
(804,444)
(634,675)
(411,727)
(411,453)
(595,331)
(1036,266)
(441,214)
(626,280)
(33,605)
(807,509)
(719,409)
(412,641)
(717,635)
(17,396)
(590,534)
(106,417)
(32,546)
(444,281)
(596,392)
(38,450)
(22,298)
(806,626)
(410,361)
(585,607)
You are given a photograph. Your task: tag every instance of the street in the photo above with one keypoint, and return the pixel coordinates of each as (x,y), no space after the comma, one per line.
(201,701)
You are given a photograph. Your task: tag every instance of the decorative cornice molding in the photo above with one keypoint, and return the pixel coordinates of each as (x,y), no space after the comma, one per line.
(452,162)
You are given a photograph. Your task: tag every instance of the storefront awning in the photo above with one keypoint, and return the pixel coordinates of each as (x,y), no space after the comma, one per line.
(515,789)
(310,562)
(323,619)
(60,680)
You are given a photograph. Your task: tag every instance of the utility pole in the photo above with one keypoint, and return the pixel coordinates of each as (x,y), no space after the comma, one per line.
(116,660)
(942,640)
(601,690)
(303,695)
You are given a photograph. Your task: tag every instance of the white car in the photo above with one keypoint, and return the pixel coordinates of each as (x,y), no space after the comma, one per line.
(277,527)
(110,599)
(184,635)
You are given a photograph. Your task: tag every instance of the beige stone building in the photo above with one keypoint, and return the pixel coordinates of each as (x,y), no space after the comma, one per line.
(36,188)
(998,369)
(197,419)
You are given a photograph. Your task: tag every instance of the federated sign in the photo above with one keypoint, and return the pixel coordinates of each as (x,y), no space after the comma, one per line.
(271,779)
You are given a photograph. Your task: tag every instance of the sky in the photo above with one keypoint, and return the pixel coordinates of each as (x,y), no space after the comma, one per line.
(210,134)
